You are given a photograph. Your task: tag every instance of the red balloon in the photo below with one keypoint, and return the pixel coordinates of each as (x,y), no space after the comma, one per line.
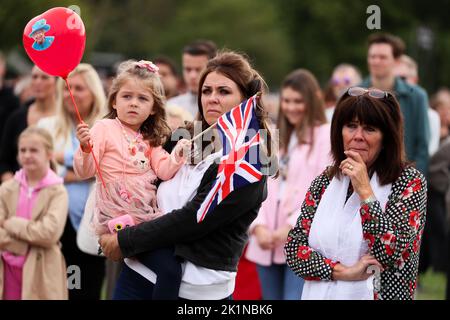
(55,41)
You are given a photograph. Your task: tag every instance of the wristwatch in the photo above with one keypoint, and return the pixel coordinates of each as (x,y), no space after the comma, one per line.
(369,200)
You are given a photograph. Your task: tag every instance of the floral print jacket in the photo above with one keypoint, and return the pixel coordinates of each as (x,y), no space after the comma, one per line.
(393,236)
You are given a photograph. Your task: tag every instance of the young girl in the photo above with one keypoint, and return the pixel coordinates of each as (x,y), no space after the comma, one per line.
(127,145)
(33,211)
(91,101)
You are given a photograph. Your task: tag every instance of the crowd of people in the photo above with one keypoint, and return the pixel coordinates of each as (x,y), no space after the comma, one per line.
(356,178)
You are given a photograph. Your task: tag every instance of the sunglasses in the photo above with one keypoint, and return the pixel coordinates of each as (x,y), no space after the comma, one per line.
(336,81)
(374,93)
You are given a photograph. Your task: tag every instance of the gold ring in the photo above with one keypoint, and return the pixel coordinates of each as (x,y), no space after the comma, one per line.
(350,167)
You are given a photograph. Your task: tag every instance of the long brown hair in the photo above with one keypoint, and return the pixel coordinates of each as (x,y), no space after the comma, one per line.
(304,82)
(383,114)
(155,128)
(237,68)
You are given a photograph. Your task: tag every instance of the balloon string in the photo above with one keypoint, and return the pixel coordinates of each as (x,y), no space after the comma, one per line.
(97,167)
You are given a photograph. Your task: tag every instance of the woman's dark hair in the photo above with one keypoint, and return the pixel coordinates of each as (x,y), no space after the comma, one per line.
(383,114)
(237,68)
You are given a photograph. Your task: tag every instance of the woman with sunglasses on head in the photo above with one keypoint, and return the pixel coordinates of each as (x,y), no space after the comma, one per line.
(366,213)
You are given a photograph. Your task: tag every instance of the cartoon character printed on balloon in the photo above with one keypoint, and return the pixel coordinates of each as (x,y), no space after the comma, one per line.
(41,41)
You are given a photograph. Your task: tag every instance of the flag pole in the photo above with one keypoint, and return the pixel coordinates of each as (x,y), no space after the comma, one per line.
(97,167)
(203,132)
(257,96)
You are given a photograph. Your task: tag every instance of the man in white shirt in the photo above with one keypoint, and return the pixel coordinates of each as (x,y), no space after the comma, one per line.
(195,57)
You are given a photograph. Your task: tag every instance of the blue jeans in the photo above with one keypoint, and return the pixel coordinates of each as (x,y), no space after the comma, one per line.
(167,268)
(132,286)
(279,282)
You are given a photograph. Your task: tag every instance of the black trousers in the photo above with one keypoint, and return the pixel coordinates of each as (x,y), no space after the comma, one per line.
(434,249)
(92,267)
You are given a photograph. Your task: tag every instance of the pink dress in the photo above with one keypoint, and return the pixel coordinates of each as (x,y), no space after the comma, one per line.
(129,167)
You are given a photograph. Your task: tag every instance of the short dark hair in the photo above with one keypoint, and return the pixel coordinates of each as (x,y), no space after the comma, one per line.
(168,62)
(201,48)
(383,114)
(396,43)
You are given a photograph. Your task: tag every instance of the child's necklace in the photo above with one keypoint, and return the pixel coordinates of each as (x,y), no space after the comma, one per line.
(132,143)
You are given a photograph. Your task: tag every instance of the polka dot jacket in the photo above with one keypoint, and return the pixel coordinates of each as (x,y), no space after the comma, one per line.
(393,236)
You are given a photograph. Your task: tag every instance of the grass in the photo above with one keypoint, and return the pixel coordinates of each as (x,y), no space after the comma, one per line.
(432,286)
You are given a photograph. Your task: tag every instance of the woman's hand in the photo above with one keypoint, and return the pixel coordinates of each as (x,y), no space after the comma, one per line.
(71,177)
(358,271)
(84,136)
(355,168)
(110,246)
(280,235)
(264,237)
(182,149)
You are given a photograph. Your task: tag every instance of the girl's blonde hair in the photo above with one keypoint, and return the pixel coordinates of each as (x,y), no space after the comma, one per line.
(46,138)
(155,128)
(64,123)
(179,112)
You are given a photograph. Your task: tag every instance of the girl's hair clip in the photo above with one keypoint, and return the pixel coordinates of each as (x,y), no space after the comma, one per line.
(150,66)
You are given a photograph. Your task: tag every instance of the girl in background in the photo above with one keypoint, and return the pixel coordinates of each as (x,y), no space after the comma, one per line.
(33,211)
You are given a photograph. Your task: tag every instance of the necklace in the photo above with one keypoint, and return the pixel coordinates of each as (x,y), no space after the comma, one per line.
(123,193)
(132,142)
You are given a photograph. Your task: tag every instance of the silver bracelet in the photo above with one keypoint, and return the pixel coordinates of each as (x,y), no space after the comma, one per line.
(368,200)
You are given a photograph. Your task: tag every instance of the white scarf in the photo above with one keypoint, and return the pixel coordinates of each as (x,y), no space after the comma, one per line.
(336,233)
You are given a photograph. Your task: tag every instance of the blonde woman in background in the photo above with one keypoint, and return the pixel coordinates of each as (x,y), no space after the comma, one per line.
(43,87)
(90,98)
(177,116)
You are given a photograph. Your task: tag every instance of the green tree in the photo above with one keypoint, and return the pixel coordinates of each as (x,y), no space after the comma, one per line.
(14,15)
(278,36)
(325,33)
(147,28)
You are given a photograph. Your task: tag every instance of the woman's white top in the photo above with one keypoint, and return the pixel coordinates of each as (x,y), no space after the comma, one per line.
(336,233)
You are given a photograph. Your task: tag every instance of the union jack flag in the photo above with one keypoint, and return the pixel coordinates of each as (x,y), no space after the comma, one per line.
(240,163)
